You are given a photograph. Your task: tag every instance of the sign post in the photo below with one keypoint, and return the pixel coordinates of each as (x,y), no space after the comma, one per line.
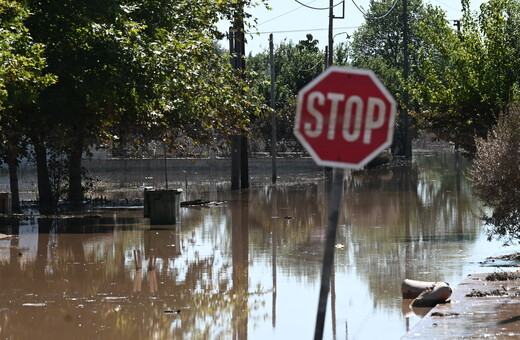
(344,118)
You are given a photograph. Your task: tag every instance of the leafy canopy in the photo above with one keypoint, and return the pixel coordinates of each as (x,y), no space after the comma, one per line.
(466,78)
(143,67)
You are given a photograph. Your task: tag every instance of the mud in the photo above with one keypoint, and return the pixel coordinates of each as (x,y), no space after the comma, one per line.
(479,309)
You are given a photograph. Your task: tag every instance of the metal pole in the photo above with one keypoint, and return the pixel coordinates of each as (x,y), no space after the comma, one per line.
(235,140)
(326,57)
(406,68)
(331,36)
(273,114)
(240,47)
(328,256)
(274,242)
(329,55)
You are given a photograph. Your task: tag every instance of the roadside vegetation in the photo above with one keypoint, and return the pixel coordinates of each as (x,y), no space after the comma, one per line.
(496,177)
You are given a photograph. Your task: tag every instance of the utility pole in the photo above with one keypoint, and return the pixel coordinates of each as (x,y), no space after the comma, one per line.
(330,51)
(456,23)
(406,71)
(273,106)
(239,152)
(331,34)
(329,58)
(326,57)
(328,63)
(235,140)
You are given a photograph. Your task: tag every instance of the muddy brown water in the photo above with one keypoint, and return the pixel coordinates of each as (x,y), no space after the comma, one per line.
(248,267)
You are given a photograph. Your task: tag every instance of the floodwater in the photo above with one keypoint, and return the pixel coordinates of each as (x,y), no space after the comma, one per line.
(248,266)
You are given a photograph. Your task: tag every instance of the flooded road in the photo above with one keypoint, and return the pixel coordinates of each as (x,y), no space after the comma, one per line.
(248,266)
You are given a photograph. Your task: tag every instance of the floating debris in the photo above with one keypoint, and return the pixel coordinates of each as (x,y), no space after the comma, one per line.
(194,203)
(29,304)
(201,203)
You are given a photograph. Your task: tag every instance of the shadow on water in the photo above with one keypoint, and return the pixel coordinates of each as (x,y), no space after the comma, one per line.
(248,268)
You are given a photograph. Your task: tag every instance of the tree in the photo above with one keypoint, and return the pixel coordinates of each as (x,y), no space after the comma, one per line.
(134,66)
(295,66)
(378,45)
(22,78)
(465,79)
(495,177)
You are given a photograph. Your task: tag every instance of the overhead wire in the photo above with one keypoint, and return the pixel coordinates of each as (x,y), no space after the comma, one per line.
(365,14)
(281,15)
(311,68)
(445,4)
(360,9)
(304,30)
(319,8)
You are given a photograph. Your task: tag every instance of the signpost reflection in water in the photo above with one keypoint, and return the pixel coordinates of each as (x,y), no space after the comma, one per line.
(247,269)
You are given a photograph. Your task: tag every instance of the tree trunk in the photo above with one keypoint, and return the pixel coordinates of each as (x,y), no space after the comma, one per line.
(75,187)
(235,161)
(12,162)
(47,201)
(244,163)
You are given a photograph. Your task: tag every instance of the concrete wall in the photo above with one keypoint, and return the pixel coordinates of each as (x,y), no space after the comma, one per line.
(196,165)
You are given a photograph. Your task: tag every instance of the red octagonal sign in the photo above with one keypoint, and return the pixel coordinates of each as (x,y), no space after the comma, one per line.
(345,117)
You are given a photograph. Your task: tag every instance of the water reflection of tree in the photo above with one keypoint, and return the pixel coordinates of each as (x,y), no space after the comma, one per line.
(84,269)
(399,215)
(86,278)
(301,215)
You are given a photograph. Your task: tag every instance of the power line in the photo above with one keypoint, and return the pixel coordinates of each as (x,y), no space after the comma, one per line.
(384,15)
(281,15)
(445,4)
(365,14)
(304,30)
(359,8)
(311,68)
(319,8)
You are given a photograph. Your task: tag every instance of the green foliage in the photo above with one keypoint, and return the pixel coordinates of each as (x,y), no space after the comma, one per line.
(295,66)
(466,78)
(22,63)
(378,45)
(496,177)
(143,67)
(22,78)
(342,53)
(78,73)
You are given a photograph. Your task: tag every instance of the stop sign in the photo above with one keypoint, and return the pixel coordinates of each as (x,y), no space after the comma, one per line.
(345,117)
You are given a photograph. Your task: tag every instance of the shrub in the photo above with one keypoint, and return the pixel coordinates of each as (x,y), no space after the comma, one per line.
(495,176)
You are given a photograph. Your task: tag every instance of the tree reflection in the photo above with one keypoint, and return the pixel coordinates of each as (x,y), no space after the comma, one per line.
(81,283)
(425,203)
(84,277)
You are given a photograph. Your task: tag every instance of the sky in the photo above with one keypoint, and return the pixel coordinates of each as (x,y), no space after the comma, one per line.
(288,20)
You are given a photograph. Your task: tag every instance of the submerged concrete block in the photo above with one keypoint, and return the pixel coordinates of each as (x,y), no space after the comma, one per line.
(162,206)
